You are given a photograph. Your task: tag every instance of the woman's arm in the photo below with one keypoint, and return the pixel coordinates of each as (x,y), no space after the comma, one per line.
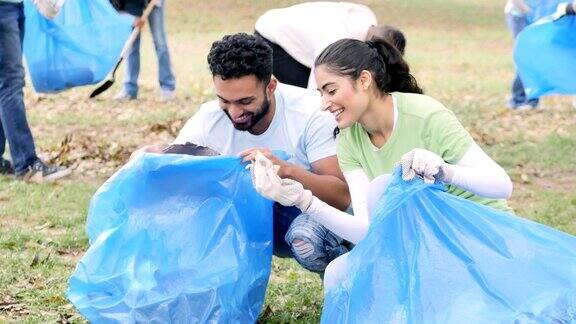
(289,192)
(475,171)
(349,227)
(478,173)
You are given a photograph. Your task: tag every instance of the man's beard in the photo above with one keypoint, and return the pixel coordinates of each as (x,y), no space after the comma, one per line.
(255,117)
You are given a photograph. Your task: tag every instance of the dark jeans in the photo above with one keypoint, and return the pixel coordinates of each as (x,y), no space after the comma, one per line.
(516,25)
(315,245)
(285,68)
(14,126)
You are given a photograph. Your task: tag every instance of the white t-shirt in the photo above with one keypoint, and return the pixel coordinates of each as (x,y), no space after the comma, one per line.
(298,127)
(305,29)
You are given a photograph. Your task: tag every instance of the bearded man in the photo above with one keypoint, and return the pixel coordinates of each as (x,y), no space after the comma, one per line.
(254,112)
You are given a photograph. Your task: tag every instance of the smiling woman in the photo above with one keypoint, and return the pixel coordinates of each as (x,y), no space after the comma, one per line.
(377,102)
(385,119)
(377,65)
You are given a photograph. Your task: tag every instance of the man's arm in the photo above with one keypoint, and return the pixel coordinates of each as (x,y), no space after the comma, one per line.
(326,181)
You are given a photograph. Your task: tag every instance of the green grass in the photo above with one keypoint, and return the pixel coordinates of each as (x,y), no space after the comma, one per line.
(41,238)
(460,52)
(550,151)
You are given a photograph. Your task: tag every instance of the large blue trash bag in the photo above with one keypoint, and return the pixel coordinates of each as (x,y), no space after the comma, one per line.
(79,47)
(431,257)
(545,56)
(175,239)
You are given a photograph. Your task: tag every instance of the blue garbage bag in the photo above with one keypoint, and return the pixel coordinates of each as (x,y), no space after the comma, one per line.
(175,239)
(79,47)
(431,257)
(545,56)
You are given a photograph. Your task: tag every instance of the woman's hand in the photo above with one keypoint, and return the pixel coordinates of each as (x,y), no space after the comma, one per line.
(425,164)
(286,192)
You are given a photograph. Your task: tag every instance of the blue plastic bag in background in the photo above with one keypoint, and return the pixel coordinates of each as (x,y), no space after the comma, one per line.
(79,47)
(175,239)
(431,257)
(545,57)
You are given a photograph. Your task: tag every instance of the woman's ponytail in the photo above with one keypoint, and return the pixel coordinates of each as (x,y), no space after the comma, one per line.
(349,57)
(394,74)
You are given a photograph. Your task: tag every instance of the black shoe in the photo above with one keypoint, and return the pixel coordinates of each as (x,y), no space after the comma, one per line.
(6,167)
(40,172)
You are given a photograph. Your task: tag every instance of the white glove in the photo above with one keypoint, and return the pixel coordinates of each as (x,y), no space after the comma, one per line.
(425,164)
(560,11)
(286,192)
(48,8)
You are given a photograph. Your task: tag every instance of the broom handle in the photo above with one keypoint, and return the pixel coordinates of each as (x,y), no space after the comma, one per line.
(137,30)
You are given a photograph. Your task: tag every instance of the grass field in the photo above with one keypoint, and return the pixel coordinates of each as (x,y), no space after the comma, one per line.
(460,51)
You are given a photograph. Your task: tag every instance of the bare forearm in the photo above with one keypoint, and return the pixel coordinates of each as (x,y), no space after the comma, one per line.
(330,189)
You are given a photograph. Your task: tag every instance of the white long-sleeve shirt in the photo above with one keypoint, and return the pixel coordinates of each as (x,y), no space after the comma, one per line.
(475,172)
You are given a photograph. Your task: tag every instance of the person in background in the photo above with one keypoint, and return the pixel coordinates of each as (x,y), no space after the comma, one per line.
(297,34)
(14,128)
(165,75)
(254,112)
(516,12)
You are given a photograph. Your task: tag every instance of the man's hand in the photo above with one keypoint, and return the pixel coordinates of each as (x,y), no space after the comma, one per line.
(48,8)
(147,149)
(250,155)
(425,164)
(138,22)
(286,192)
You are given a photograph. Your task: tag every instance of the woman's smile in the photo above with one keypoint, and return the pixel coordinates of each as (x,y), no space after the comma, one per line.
(337,112)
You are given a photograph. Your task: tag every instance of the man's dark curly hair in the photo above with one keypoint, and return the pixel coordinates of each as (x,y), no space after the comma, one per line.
(240,55)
